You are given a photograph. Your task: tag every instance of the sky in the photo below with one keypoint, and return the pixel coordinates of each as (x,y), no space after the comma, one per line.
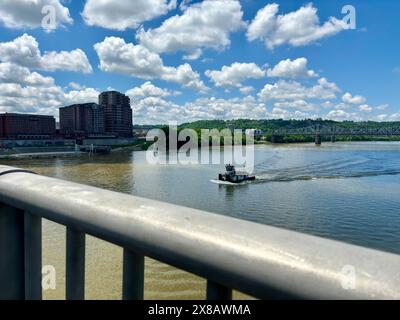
(183,60)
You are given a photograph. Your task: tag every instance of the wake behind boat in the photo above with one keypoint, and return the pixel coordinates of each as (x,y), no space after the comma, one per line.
(233,176)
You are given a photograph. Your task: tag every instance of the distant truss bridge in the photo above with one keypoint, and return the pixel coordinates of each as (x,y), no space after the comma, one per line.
(322,130)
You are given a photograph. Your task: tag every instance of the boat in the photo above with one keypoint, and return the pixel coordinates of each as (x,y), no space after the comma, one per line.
(233,176)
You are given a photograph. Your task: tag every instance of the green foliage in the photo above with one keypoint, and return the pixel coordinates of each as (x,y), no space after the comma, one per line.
(275,124)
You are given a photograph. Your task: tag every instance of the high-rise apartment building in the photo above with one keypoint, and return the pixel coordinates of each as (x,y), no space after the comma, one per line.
(117,113)
(82,120)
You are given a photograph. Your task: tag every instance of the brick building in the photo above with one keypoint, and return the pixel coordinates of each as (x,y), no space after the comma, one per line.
(117,113)
(82,120)
(26,126)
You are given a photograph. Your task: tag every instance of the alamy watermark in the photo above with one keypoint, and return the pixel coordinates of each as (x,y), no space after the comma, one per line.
(49,278)
(350,18)
(349,277)
(187,147)
(49,20)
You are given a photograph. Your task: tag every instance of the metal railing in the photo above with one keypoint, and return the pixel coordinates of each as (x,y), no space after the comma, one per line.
(259,260)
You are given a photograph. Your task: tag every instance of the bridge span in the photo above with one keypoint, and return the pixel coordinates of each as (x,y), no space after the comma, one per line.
(322,130)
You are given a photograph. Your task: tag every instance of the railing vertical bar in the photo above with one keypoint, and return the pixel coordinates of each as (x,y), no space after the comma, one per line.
(12,277)
(75,265)
(33,257)
(216,291)
(133,276)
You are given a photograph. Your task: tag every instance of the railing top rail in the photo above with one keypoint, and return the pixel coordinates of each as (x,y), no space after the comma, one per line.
(263,261)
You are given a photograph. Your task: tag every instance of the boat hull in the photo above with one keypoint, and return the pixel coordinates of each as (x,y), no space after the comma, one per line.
(235,179)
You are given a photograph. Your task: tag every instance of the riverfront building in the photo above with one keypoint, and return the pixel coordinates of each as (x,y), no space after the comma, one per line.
(15,126)
(112,117)
(117,113)
(82,120)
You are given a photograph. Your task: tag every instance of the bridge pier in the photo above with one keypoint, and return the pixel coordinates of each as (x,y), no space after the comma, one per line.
(333,139)
(318,139)
(274,139)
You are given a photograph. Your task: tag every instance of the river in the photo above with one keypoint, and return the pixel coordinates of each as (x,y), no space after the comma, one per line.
(344,191)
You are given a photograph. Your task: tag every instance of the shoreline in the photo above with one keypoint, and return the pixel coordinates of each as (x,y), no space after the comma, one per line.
(67,154)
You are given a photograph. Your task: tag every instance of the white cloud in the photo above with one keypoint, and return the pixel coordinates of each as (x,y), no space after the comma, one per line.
(348,98)
(80,96)
(137,61)
(207,24)
(279,113)
(124,14)
(342,106)
(185,76)
(296,104)
(156,109)
(233,75)
(246,89)
(46,98)
(292,69)
(340,115)
(22,90)
(293,90)
(327,104)
(382,117)
(12,73)
(75,86)
(22,14)
(365,108)
(24,51)
(148,89)
(296,28)
(394,117)
(382,107)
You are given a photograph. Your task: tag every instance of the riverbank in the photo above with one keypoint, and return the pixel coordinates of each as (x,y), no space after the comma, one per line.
(38,155)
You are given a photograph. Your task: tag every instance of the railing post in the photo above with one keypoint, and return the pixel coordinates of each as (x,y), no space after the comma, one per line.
(33,257)
(216,291)
(12,277)
(133,276)
(75,265)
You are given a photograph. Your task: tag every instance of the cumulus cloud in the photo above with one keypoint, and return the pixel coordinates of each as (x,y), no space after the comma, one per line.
(246,89)
(153,107)
(207,24)
(124,14)
(22,14)
(365,108)
(348,98)
(341,115)
(137,61)
(75,86)
(148,89)
(24,51)
(296,104)
(342,106)
(279,113)
(296,28)
(233,75)
(292,69)
(382,107)
(27,92)
(293,90)
(12,73)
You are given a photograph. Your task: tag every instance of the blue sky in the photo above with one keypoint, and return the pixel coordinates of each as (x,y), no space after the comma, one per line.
(218,59)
